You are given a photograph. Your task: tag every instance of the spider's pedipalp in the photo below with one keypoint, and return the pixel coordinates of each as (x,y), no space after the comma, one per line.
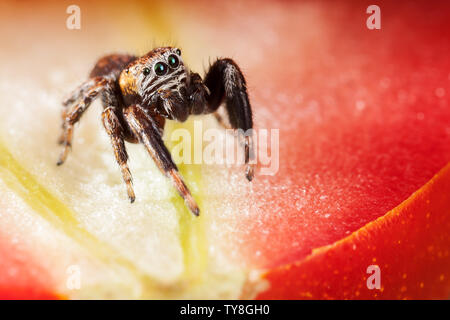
(198,94)
(148,131)
(72,115)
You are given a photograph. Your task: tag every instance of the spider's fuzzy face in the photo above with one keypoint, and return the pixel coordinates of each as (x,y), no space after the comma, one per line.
(158,80)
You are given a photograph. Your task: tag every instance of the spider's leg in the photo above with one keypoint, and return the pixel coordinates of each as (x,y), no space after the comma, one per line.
(74,96)
(148,131)
(79,91)
(221,120)
(63,126)
(73,114)
(226,82)
(115,132)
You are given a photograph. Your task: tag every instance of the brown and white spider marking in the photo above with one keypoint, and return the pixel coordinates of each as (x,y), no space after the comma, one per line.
(139,93)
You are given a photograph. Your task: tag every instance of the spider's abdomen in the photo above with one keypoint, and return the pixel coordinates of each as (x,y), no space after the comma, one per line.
(111,65)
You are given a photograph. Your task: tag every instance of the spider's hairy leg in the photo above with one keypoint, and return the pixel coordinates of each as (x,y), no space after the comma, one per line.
(226,82)
(115,132)
(79,91)
(147,130)
(70,99)
(73,114)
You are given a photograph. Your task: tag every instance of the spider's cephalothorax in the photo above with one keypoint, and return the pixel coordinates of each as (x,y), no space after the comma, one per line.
(139,93)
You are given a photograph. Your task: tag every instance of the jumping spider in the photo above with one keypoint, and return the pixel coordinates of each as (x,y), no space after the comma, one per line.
(139,93)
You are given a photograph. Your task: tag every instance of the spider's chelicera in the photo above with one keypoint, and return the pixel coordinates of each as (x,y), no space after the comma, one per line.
(139,93)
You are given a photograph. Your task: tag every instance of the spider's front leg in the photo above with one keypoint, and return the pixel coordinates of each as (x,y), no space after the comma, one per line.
(148,131)
(116,133)
(225,82)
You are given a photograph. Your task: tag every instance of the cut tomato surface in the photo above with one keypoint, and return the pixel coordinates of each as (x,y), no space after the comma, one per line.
(406,251)
(363,120)
(21,277)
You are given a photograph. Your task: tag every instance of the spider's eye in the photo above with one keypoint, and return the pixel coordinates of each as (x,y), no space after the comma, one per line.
(146,71)
(160,68)
(173,61)
(178,52)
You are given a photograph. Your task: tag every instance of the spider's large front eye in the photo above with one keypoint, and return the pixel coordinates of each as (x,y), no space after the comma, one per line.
(160,68)
(173,61)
